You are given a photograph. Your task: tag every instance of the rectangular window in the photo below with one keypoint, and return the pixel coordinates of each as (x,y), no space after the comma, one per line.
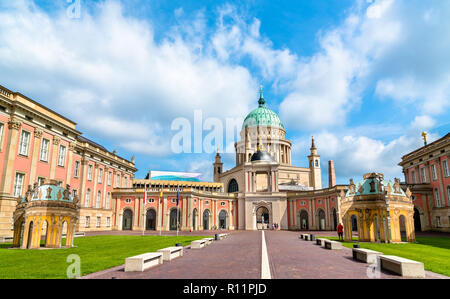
(100,175)
(438,199)
(24,143)
(108,200)
(76,170)
(62,155)
(433,172)
(98,221)
(422,174)
(118,181)
(89,176)
(88,219)
(18,184)
(109,178)
(108,221)
(44,150)
(413,177)
(99,198)
(438,221)
(1,136)
(41,181)
(125,182)
(445,167)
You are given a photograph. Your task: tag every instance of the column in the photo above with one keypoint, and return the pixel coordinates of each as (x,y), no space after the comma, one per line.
(184,224)
(7,178)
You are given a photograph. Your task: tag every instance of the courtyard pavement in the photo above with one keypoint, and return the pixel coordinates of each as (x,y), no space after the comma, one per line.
(239,256)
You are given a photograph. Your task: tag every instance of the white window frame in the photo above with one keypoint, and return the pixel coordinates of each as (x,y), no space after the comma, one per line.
(99,199)
(2,129)
(89,174)
(125,181)
(118,180)
(437,197)
(88,220)
(445,167)
(413,177)
(45,147)
(76,169)
(423,174)
(438,221)
(24,143)
(99,220)
(62,156)
(109,178)
(100,176)
(18,186)
(433,172)
(87,198)
(108,221)
(108,200)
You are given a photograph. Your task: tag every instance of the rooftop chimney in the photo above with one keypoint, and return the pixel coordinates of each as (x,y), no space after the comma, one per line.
(331,174)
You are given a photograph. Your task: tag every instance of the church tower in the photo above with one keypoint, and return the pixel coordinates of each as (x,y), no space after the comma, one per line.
(218,166)
(314,167)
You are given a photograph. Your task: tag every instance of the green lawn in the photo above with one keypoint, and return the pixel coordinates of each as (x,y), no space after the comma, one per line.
(433,252)
(96,253)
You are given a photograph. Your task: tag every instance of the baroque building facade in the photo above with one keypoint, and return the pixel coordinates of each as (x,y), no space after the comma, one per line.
(37,145)
(263,188)
(427,175)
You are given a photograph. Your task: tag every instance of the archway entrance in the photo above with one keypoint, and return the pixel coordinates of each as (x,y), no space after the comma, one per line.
(321,220)
(150,223)
(44,232)
(402,224)
(223,219)
(127,223)
(262,218)
(334,220)
(304,220)
(194,219)
(30,235)
(354,223)
(206,220)
(417,224)
(173,219)
(64,230)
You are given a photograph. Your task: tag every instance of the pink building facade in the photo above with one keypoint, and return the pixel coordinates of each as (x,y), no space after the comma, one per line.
(38,144)
(427,175)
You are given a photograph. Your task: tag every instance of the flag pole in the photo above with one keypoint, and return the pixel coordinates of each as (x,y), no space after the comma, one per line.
(178,211)
(143,209)
(161,208)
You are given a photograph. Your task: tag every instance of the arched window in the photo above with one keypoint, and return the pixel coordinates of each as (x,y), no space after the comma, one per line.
(88,198)
(108,200)
(233,186)
(99,198)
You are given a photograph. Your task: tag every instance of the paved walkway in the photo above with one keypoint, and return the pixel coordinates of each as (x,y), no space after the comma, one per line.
(237,256)
(240,257)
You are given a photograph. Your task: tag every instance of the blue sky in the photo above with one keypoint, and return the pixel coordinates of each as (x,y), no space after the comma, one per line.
(364,77)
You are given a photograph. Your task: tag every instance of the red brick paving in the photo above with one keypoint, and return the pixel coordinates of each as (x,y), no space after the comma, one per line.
(294,258)
(237,256)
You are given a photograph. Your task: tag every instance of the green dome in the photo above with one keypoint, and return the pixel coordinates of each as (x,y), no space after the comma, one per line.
(262,116)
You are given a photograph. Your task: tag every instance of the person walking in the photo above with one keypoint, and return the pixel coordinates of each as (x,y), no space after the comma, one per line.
(340,231)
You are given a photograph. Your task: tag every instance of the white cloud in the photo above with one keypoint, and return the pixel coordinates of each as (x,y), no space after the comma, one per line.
(107,72)
(400,45)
